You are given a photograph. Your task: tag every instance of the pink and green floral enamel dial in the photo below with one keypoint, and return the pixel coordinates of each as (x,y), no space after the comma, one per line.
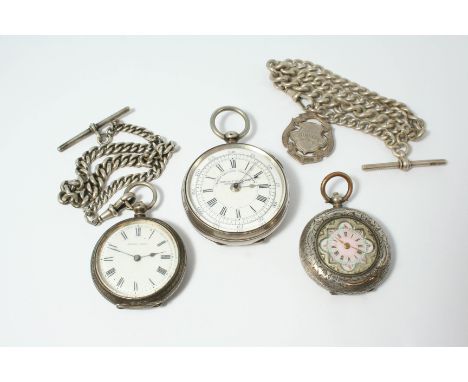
(344,250)
(347,246)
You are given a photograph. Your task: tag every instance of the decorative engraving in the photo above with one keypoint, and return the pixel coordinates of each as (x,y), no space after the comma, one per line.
(329,275)
(308,138)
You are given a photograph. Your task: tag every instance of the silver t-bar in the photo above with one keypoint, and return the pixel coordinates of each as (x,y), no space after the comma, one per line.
(399,165)
(93,128)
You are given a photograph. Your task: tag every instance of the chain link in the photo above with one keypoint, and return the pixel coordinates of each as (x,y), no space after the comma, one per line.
(346,103)
(89,192)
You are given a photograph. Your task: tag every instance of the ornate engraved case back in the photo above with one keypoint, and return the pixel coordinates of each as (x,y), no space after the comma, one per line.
(345,250)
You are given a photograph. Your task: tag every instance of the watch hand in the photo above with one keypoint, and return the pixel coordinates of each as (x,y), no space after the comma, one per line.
(346,245)
(125,253)
(240,181)
(153,254)
(252,185)
(231,182)
(243,180)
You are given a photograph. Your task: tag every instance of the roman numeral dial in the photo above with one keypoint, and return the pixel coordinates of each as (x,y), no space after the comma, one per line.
(136,259)
(236,190)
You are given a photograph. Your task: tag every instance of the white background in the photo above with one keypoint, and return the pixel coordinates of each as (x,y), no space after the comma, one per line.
(52,88)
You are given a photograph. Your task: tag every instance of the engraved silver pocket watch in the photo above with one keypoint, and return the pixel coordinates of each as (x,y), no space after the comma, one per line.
(139,262)
(235,193)
(344,250)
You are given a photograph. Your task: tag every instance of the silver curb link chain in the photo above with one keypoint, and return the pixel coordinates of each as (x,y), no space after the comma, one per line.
(89,192)
(345,103)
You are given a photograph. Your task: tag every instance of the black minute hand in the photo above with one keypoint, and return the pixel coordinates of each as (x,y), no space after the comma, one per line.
(125,253)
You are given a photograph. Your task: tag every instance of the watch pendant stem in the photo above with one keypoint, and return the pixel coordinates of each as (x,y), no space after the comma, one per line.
(336,200)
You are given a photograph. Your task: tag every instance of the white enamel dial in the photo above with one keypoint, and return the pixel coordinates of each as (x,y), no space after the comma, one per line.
(236,188)
(137,259)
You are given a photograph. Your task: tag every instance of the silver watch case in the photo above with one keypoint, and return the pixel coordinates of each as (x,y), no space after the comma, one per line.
(340,283)
(155,299)
(233,238)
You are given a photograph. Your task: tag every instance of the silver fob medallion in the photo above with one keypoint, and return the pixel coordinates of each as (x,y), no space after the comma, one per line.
(308,138)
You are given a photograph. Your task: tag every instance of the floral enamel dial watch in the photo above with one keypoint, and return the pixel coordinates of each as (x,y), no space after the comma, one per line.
(344,250)
(235,194)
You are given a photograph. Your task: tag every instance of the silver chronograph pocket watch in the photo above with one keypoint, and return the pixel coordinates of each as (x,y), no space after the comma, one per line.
(344,250)
(235,193)
(138,262)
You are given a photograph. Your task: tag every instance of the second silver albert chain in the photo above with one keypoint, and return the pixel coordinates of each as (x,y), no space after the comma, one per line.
(330,99)
(89,191)
(138,262)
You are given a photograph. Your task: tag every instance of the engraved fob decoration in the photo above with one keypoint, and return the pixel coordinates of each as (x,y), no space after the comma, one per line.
(235,194)
(138,262)
(308,138)
(344,250)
